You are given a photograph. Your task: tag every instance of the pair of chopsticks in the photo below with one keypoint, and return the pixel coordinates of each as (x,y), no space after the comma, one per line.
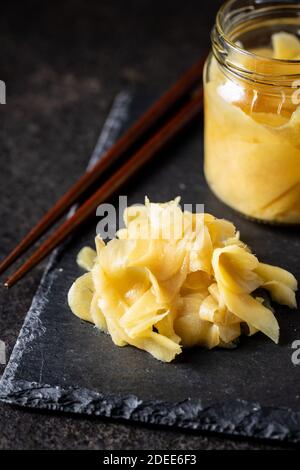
(188,92)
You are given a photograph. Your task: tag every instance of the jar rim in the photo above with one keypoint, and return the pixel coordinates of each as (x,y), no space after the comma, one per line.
(232,46)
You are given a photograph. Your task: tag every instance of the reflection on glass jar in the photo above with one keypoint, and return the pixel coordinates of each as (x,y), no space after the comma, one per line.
(252,109)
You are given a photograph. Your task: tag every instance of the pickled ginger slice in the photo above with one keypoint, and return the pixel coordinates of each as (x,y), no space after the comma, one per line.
(285,46)
(80,297)
(86,258)
(234,268)
(253,313)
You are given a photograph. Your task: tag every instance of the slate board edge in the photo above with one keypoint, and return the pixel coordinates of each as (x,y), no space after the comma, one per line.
(112,128)
(239,418)
(233,418)
(32,327)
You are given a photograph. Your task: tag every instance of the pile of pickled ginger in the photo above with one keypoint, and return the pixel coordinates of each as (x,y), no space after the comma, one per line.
(173,279)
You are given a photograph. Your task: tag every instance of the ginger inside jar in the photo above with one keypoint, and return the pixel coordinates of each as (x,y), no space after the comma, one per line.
(252,110)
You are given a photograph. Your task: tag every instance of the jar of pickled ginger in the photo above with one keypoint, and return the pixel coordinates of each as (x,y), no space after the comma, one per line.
(252,109)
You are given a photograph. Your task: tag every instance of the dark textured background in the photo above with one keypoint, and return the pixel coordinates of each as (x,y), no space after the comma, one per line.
(63,62)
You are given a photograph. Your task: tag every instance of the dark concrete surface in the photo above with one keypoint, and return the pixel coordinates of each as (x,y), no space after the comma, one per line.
(63,62)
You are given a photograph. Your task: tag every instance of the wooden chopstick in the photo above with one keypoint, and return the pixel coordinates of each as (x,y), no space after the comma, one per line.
(157,111)
(173,126)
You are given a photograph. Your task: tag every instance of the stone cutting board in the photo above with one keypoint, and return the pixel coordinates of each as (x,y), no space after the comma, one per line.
(62,363)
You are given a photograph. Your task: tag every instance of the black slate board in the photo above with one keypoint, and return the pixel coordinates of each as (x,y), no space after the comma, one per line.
(62,363)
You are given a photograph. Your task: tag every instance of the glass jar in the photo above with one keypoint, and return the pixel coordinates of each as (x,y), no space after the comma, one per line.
(252,112)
